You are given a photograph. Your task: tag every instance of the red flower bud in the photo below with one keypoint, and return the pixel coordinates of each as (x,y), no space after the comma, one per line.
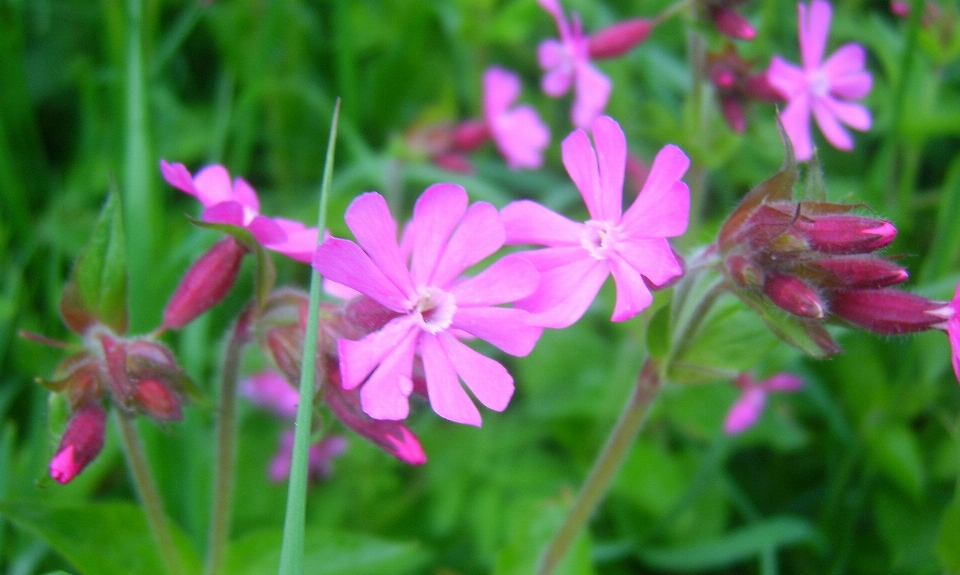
(744,273)
(81,443)
(205,283)
(886,311)
(286,349)
(794,295)
(620,38)
(366,315)
(843,234)
(157,400)
(453,163)
(470,135)
(861,273)
(733,113)
(759,87)
(732,24)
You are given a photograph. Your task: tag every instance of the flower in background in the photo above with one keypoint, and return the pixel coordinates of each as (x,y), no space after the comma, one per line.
(236,203)
(736,85)
(433,303)
(567,63)
(825,88)
(268,389)
(630,245)
(518,132)
(727,20)
(753,397)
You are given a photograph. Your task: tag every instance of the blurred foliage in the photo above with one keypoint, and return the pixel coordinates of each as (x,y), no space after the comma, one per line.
(857,473)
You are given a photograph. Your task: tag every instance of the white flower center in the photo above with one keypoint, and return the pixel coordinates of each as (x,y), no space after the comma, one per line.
(435,309)
(819,83)
(600,238)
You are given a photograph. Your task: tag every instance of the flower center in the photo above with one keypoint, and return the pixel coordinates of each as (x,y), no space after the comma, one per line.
(435,309)
(819,84)
(600,238)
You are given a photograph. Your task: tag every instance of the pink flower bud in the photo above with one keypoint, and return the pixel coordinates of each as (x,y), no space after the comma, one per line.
(453,163)
(205,283)
(843,234)
(794,295)
(81,443)
(759,87)
(733,113)
(285,344)
(155,399)
(861,273)
(732,24)
(618,39)
(470,135)
(743,272)
(886,311)
(365,315)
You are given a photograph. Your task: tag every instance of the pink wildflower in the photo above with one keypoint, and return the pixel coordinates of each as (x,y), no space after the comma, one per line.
(519,133)
(827,89)
(434,303)
(631,245)
(747,409)
(270,390)
(319,462)
(237,204)
(567,62)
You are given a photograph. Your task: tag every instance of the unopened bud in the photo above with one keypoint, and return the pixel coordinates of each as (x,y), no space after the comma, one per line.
(366,315)
(794,295)
(155,399)
(733,113)
(470,135)
(843,234)
(205,283)
(286,349)
(758,86)
(453,163)
(620,38)
(744,273)
(886,311)
(861,273)
(80,444)
(732,24)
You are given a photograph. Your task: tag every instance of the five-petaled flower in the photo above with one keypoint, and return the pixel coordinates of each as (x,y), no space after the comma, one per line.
(631,245)
(236,203)
(519,133)
(567,62)
(753,397)
(433,304)
(826,88)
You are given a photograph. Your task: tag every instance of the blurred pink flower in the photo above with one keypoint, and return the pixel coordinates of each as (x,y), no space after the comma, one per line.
(753,397)
(434,302)
(319,463)
(631,245)
(827,89)
(519,133)
(237,204)
(268,389)
(567,62)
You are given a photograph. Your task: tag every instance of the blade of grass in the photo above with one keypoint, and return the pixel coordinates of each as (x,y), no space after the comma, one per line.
(291,551)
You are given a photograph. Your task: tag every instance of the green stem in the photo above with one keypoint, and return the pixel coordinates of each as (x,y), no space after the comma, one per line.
(294,523)
(147,489)
(226,447)
(606,466)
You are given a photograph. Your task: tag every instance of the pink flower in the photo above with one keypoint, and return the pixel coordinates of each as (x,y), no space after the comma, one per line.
(630,245)
(567,62)
(237,204)
(434,304)
(519,133)
(953,331)
(270,390)
(748,407)
(319,462)
(827,89)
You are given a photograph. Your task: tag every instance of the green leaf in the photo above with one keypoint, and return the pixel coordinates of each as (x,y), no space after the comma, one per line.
(325,553)
(894,448)
(735,547)
(520,556)
(97,290)
(97,538)
(948,542)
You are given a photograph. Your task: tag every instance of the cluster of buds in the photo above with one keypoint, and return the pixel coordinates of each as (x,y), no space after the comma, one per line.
(280,331)
(736,85)
(819,261)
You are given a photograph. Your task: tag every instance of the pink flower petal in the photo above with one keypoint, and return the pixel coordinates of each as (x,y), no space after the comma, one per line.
(359,358)
(384,394)
(447,397)
(178,176)
(368,217)
(521,137)
(213,185)
(745,411)
(270,390)
(814,28)
(230,213)
(264,229)
(344,262)
(853,115)
(848,59)
(651,257)
(479,234)
(486,378)
(435,215)
(796,122)
(508,279)
(565,292)
(527,222)
(592,90)
(782,382)
(501,88)
(506,328)
(301,241)
(581,163)
(830,126)
(557,81)
(611,147)
(786,78)
(663,206)
(953,334)
(244,193)
(632,294)
(852,86)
